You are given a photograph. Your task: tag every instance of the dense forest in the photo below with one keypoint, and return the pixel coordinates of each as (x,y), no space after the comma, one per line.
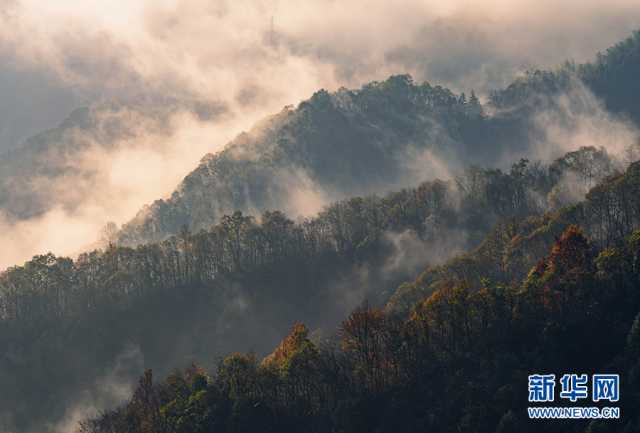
(518,269)
(359,142)
(336,145)
(608,214)
(247,279)
(457,359)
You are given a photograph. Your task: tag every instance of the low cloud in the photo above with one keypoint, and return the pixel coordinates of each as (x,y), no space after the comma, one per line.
(304,197)
(110,183)
(256,56)
(221,66)
(412,253)
(579,119)
(106,392)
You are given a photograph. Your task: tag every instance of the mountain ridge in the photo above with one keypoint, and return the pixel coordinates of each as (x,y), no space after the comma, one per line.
(431,118)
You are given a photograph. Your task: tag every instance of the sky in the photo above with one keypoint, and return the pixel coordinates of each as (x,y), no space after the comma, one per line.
(256,56)
(223,65)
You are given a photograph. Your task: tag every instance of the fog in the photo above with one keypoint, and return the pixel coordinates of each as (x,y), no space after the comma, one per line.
(109,184)
(224,65)
(188,76)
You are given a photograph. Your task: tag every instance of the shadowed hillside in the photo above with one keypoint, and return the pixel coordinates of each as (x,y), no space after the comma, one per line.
(389,134)
(458,356)
(539,250)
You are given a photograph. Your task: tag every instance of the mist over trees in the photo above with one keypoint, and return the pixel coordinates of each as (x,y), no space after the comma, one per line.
(226,264)
(458,358)
(382,137)
(355,142)
(241,283)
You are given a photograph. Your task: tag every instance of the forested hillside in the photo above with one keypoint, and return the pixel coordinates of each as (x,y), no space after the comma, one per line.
(457,359)
(611,77)
(471,282)
(609,213)
(240,284)
(384,135)
(332,146)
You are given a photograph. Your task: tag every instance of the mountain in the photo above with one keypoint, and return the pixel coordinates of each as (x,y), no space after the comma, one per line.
(244,280)
(545,270)
(239,284)
(381,137)
(611,77)
(608,215)
(387,134)
(459,356)
(56,168)
(39,161)
(332,146)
